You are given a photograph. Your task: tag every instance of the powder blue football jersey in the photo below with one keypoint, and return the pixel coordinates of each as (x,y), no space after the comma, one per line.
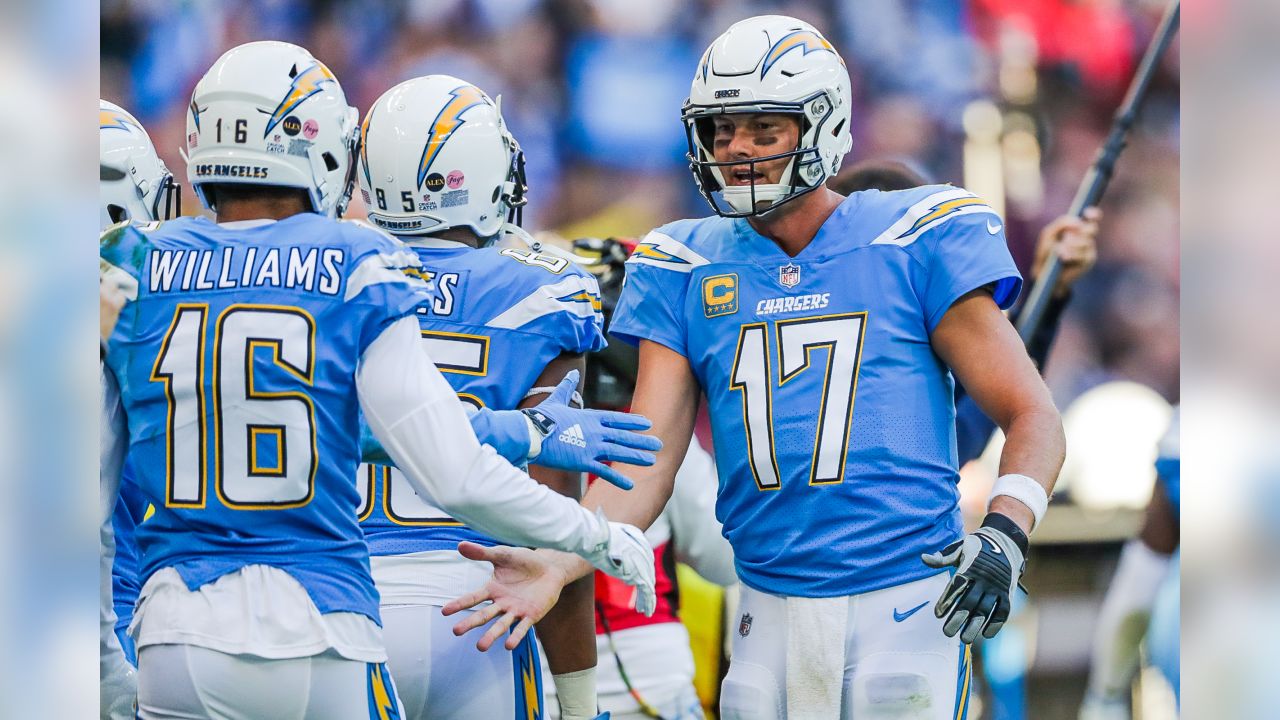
(236,363)
(833,419)
(497,318)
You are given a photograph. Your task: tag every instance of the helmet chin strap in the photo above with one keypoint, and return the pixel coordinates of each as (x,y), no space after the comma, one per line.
(740,197)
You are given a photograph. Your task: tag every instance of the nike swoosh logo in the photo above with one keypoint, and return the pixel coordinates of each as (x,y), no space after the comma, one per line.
(993,229)
(899,617)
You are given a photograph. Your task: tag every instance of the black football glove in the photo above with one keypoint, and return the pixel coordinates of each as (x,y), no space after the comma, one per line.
(988,563)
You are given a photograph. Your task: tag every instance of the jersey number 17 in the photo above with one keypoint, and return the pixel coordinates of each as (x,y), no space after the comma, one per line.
(752,376)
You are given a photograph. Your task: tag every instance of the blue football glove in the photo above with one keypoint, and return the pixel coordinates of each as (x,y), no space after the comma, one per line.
(583,440)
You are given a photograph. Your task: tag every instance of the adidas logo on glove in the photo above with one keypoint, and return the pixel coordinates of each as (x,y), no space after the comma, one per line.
(573,436)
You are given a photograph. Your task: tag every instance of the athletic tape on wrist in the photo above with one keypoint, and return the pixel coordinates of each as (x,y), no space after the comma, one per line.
(575,399)
(1024,490)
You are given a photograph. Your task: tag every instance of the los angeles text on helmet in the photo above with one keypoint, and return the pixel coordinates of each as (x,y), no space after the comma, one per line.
(256,172)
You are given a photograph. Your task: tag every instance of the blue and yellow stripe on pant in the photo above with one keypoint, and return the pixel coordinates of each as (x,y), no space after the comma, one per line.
(526,671)
(383,703)
(963,674)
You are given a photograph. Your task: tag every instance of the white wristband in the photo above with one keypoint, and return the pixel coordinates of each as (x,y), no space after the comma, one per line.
(1024,490)
(576,692)
(575,399)
(535,440)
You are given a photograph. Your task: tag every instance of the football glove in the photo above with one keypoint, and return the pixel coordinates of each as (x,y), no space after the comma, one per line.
(988,563)
(583,440)
(625,553)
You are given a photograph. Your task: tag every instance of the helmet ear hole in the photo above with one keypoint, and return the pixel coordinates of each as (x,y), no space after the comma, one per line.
(496,192)
(330,162)
(835,132)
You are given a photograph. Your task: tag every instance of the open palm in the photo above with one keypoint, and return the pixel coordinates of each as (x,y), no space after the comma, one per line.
(524,587)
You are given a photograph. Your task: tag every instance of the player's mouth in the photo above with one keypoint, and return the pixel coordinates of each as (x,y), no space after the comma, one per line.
(745,176)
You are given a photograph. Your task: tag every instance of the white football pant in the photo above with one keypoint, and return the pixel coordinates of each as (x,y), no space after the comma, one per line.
(187,682)
(444,677)
(897,664)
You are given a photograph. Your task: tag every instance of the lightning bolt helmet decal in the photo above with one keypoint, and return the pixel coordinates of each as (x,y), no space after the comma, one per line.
(306,83)
(447,121)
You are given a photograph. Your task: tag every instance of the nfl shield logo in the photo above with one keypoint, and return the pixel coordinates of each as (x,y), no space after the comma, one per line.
(744,627)
(789,275)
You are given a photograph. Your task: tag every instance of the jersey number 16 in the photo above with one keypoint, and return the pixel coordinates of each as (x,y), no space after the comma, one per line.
(263,441)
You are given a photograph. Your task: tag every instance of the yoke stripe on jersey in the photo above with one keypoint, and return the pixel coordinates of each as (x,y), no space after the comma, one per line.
(665,252)
(393,267)
(929,213)
(577,295)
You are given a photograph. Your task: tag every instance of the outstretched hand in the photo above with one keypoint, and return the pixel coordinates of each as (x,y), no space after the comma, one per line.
(523,588)
(584,440)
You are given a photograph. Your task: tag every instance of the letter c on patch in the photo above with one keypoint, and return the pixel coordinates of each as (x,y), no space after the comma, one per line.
(720,295)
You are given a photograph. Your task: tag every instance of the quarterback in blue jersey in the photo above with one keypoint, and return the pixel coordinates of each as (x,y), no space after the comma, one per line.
(825,332)
(440,171)
(237,375)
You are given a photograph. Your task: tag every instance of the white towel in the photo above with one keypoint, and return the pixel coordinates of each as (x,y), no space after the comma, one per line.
(815,656)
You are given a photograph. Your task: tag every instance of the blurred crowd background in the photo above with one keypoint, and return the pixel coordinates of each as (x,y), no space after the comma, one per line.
(1011,98)
(592,89)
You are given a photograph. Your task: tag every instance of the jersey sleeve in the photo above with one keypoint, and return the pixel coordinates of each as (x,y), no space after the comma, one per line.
(385,282)
(650,307)
(566,309)
(959,241)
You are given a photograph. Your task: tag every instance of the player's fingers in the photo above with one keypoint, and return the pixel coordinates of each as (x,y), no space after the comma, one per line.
(495,631)
(517,634)
(954,622)
(998,617)
(608,474)
(978,619)
(945,557)
(476,619)
(471,599)
(564,389)
(954,590)
(472,551)
(1093,213)
(631,439)
(615,452)
(624,421)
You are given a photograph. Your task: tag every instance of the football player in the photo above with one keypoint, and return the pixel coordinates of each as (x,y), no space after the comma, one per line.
(825,332)
(439,169)
(135,186)
(1142,599)
(249,349)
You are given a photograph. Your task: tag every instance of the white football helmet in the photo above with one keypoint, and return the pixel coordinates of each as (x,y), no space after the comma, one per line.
(135,184)
(268,113)
(769,64)
(436,154)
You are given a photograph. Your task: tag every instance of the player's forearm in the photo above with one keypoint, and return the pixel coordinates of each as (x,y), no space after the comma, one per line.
(567,631)
(415,415)
(1034,447)
(667,393)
